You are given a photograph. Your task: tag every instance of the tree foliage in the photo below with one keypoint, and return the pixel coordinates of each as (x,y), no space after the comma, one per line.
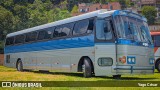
(6,25)
(123,4)
(75,9)
(17,15)
(6,22)
(150,13)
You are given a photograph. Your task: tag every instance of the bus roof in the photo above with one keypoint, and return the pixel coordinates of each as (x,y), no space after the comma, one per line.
(64,21)
(98,13)
(155,33)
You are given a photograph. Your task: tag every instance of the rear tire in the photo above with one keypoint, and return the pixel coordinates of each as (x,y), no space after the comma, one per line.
(158,66)
(87,68)
(19,66)
(116,76)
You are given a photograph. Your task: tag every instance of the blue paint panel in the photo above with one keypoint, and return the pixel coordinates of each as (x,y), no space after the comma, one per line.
(132,42)
(128,13)
(77,42)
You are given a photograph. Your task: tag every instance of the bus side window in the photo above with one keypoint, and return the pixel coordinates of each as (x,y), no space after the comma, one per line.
(48,34)
(9,41)
(19,39)
(41,35)
(107,30)
(63,30)
(57,31)
(90,26)
(54,34)
(81,27)
(31,36)
(66,29)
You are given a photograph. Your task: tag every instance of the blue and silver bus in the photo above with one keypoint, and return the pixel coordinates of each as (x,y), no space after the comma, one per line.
(100,43)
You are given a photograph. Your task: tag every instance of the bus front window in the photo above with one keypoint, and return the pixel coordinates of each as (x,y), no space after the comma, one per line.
(132,29)
(144,30)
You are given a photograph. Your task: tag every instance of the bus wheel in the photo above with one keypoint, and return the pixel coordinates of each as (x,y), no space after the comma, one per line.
(86,67)
(116,76)
(158,66)
(19,66)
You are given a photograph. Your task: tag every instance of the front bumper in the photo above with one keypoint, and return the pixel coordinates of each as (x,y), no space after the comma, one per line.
(134,69)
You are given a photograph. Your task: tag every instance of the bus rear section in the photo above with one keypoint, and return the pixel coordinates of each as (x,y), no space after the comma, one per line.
(156,40)
(123,46)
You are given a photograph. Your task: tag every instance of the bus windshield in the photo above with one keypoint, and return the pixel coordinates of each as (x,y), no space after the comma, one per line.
(132,29)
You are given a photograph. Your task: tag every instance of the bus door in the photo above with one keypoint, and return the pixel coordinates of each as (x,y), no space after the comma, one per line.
(105,47)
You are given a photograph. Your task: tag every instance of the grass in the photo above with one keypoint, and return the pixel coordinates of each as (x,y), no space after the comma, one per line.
(10,74)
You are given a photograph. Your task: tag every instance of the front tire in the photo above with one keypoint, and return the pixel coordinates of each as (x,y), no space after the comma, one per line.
(87,68)
(19,66)
(158,66)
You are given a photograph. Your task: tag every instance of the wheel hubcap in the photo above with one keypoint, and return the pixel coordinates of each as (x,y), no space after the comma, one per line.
(83,68)
(19,66)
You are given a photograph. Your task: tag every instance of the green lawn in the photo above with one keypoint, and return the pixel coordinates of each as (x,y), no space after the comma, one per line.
(9,74)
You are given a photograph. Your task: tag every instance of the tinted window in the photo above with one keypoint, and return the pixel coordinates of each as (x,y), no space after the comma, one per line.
(57,31)
(31,36)
(63,30)
(19,39)
(41,35)
(10,41)
(45,34)
(81,27)
(90,26)
(157,41)
(66,29)
(104,30)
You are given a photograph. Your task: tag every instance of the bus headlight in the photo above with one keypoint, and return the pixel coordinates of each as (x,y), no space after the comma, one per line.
(131,60)
(151,61)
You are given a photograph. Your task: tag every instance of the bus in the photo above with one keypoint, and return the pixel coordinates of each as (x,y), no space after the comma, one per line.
(156,40)
(100,43)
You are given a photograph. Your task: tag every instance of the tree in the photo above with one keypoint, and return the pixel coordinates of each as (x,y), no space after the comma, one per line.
(37,12)
(127,3)
(7,4)
(111,0)
(132,4)
(6,22)
(22,13)
(75,9)
(60,14)
(1,47)
(123,4)
(16,15)
(102,1)
(150,13)
(6,25)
